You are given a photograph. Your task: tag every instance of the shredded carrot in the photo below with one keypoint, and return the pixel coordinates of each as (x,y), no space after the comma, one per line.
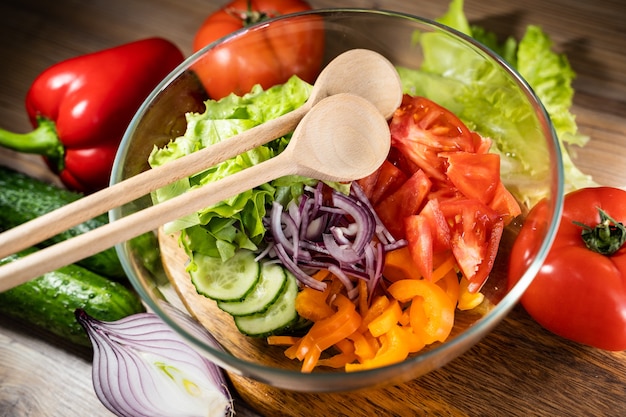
(363,297)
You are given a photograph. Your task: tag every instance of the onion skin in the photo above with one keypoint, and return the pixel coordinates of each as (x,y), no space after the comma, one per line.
(142,368)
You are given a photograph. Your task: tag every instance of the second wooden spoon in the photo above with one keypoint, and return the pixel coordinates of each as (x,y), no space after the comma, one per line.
(342,138)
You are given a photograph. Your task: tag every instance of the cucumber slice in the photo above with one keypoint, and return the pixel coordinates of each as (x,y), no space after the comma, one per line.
(280,315)
(270,285)
(225,281)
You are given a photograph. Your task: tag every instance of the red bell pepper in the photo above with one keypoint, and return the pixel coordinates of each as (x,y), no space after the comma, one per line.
(81,107)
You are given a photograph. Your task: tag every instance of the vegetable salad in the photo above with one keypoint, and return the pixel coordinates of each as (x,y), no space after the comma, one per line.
(361,275)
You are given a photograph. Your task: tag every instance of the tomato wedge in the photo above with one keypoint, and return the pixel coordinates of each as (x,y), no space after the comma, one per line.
(421,129)
(417,227)
(475,175)
(475,232)
(387,179)
(405,201)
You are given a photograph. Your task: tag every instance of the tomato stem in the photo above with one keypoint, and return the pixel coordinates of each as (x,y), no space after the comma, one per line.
(250,16)
(607,237)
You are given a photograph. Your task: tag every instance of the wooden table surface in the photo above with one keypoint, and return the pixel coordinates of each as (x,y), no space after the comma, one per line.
(519,369)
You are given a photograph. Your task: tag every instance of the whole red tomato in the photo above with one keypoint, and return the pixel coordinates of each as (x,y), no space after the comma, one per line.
(266,56)
(580,291)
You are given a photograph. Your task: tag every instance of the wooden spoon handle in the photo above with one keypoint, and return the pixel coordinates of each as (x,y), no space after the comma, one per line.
(88,207)
(97,240)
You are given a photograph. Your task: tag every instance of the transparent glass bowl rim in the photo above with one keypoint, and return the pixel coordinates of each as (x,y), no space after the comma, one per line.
(459,343)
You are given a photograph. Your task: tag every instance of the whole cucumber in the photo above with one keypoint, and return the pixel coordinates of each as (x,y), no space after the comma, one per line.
(49,301)
(23,198)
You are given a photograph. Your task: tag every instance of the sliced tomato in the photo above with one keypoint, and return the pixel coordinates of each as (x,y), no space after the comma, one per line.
(405,201)
(399,160)
(421,129)
(505,204)
(389,180)
(438,225)
(482,144)
(420,242)
(454,200)
(477,281)
(475,230)
(475,175)
(421,120)
(368,184)
(382,182)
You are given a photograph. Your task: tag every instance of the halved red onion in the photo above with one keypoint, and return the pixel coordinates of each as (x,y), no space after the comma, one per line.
(142,368)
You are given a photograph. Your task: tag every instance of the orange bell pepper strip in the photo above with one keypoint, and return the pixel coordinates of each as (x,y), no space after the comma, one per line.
(394,349)
(450,284)
(468,300)
(389,317)
(415,342)
(347,355)
(399,265)
(443,268)
(326,333)
(311,304)
(431,310)
(376,308)
(364,347)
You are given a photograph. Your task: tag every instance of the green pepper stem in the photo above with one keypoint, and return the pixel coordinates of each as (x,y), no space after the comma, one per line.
(607,237)
(44,141)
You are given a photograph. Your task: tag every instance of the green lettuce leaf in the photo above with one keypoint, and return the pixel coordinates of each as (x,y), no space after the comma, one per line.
(550,75)
(221,229)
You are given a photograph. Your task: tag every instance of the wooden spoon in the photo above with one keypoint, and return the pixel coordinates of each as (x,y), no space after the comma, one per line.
(357,71)
(342,138)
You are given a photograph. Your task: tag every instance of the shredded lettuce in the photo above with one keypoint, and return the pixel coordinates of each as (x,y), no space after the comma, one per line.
(482,97)
(221,229)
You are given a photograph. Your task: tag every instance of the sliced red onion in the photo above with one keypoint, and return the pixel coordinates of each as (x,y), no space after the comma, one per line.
(381,231)
(142,368)
(293,267)
(341,233)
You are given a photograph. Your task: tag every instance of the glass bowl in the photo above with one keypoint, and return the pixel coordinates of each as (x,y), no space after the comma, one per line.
(153,260)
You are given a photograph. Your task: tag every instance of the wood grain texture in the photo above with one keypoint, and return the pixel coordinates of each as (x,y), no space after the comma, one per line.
(518,370)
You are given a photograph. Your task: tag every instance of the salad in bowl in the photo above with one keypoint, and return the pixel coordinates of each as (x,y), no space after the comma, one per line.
(327,286)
